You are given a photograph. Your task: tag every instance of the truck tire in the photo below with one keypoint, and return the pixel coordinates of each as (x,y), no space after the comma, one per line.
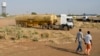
(44,26)
(66,28)
(50,27)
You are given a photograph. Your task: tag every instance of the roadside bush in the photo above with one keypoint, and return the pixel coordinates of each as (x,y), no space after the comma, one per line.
(2,37)
(12,38)
(44,35)
(35,39)
(35,32)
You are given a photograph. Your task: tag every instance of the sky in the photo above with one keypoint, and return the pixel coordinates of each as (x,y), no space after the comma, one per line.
(52,6)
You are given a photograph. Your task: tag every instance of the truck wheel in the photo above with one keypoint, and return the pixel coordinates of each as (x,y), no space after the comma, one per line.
(43,27)
(66,28)
(50,27)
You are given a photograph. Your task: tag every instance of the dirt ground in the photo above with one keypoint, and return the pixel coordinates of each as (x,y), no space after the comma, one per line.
(26,47)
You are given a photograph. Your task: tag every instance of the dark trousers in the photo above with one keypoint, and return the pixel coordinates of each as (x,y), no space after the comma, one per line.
(79,48)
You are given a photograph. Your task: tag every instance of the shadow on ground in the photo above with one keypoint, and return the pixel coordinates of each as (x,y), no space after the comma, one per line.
(66,50)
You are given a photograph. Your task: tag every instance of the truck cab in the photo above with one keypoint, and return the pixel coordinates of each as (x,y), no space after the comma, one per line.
(66,22)
(69,21)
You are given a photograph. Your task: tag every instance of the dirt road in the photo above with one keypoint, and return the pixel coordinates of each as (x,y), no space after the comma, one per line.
(6,22)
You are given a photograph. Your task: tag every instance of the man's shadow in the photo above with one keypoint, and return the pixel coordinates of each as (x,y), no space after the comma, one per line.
(66,50)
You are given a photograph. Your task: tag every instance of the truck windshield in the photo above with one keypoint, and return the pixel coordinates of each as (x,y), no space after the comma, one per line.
(69,20)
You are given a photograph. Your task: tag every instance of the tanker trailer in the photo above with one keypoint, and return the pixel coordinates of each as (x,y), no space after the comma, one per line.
(21,20)
(45,21)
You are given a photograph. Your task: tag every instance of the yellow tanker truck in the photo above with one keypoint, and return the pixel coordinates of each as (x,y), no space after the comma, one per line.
(45,21)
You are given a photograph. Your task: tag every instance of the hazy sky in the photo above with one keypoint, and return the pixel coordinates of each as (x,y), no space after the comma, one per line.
(52,6)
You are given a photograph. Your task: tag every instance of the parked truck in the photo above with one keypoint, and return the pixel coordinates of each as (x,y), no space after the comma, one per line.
(45,21)
(66,22)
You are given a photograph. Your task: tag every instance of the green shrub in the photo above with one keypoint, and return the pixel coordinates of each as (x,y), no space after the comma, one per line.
(2,37)
(24,36)
(4,14)
(19,34)
(12,38)
(44,35)
(35,33)
(35,39)
(51,41)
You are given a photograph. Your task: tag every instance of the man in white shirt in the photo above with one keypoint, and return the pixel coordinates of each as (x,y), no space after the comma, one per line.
(79,38)
(88,42)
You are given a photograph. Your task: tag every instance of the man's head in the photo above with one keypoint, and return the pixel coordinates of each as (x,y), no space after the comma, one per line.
(88,32)
(80,30)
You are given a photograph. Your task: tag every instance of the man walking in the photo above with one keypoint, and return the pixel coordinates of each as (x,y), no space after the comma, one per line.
(88,43)
(79,38)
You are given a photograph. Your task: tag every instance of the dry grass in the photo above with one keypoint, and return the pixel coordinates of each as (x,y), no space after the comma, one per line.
(79,24)
(17,33)
(91,25)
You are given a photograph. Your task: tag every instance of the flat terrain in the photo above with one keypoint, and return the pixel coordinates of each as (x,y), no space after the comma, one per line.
(52,47)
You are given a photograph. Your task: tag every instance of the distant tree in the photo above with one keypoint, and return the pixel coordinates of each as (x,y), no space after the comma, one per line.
(58,15)
(98,15)
(70,14)
(33,13)
(4,14)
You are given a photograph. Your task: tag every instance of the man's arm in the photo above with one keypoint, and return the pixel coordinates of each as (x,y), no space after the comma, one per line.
(91,39)
(84,41)
(76,39)
(91,42)
(82,35)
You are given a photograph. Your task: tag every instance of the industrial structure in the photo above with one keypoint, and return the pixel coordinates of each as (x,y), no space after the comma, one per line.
(3,6)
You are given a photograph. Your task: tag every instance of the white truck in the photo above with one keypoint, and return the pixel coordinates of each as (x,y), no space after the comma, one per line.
(66,22)
(85,18)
